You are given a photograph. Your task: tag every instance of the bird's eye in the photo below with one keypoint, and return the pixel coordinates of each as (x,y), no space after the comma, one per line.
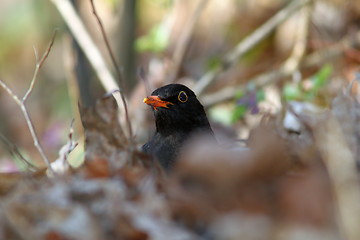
(182,96)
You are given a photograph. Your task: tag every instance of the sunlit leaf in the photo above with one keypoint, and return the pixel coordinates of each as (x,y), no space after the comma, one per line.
(239,112)
(321,78)
(292,92)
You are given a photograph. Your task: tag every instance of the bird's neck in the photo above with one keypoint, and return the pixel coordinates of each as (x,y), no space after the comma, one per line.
(166,128)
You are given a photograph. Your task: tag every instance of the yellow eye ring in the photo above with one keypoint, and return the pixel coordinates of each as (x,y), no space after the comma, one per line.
(182,96)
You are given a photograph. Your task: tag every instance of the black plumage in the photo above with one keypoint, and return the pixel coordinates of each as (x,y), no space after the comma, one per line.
(179,116)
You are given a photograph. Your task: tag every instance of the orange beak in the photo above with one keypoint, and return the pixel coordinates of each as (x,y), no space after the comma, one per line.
(156,102)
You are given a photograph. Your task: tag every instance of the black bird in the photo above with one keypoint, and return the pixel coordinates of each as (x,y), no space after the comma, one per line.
(178,116)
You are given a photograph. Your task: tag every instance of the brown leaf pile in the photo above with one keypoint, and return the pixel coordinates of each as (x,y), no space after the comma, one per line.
(283,186)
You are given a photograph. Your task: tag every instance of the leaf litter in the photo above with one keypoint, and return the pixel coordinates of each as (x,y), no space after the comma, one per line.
(282,185)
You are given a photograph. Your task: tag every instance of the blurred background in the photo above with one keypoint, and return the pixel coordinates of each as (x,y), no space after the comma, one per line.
(308,58)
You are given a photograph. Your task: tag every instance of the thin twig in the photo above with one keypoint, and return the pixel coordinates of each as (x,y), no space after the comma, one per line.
(248,43)
(71,145)
(61,165)
(293,62)
(117,69)
(13,149)
(38,66)
(21,103)
(10,92)
(88,46)
(314,59)
(185,37)
(103,33)
(29,123)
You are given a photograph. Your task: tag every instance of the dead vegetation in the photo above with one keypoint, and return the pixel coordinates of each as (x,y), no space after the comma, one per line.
(285,184)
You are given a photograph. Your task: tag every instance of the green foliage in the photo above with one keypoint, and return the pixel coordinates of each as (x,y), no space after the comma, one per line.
(248,101)
(239,113)
(293,91)
(321,78)
(156,41)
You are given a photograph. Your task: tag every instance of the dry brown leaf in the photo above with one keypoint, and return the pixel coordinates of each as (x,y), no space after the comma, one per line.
(105,139)
(9,180)
(104,136)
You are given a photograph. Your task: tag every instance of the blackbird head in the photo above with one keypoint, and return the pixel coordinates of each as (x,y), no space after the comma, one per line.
(178,116)
(176,108)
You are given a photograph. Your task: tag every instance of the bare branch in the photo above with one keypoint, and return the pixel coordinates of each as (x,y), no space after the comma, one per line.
(292,63)
(248,43)
(29,123)
(117,68)
(91,51)
(38,66)
(10,92)
(88,46)
(36,54)
(103,33)
(21,103)
(34,136)
(314,59)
